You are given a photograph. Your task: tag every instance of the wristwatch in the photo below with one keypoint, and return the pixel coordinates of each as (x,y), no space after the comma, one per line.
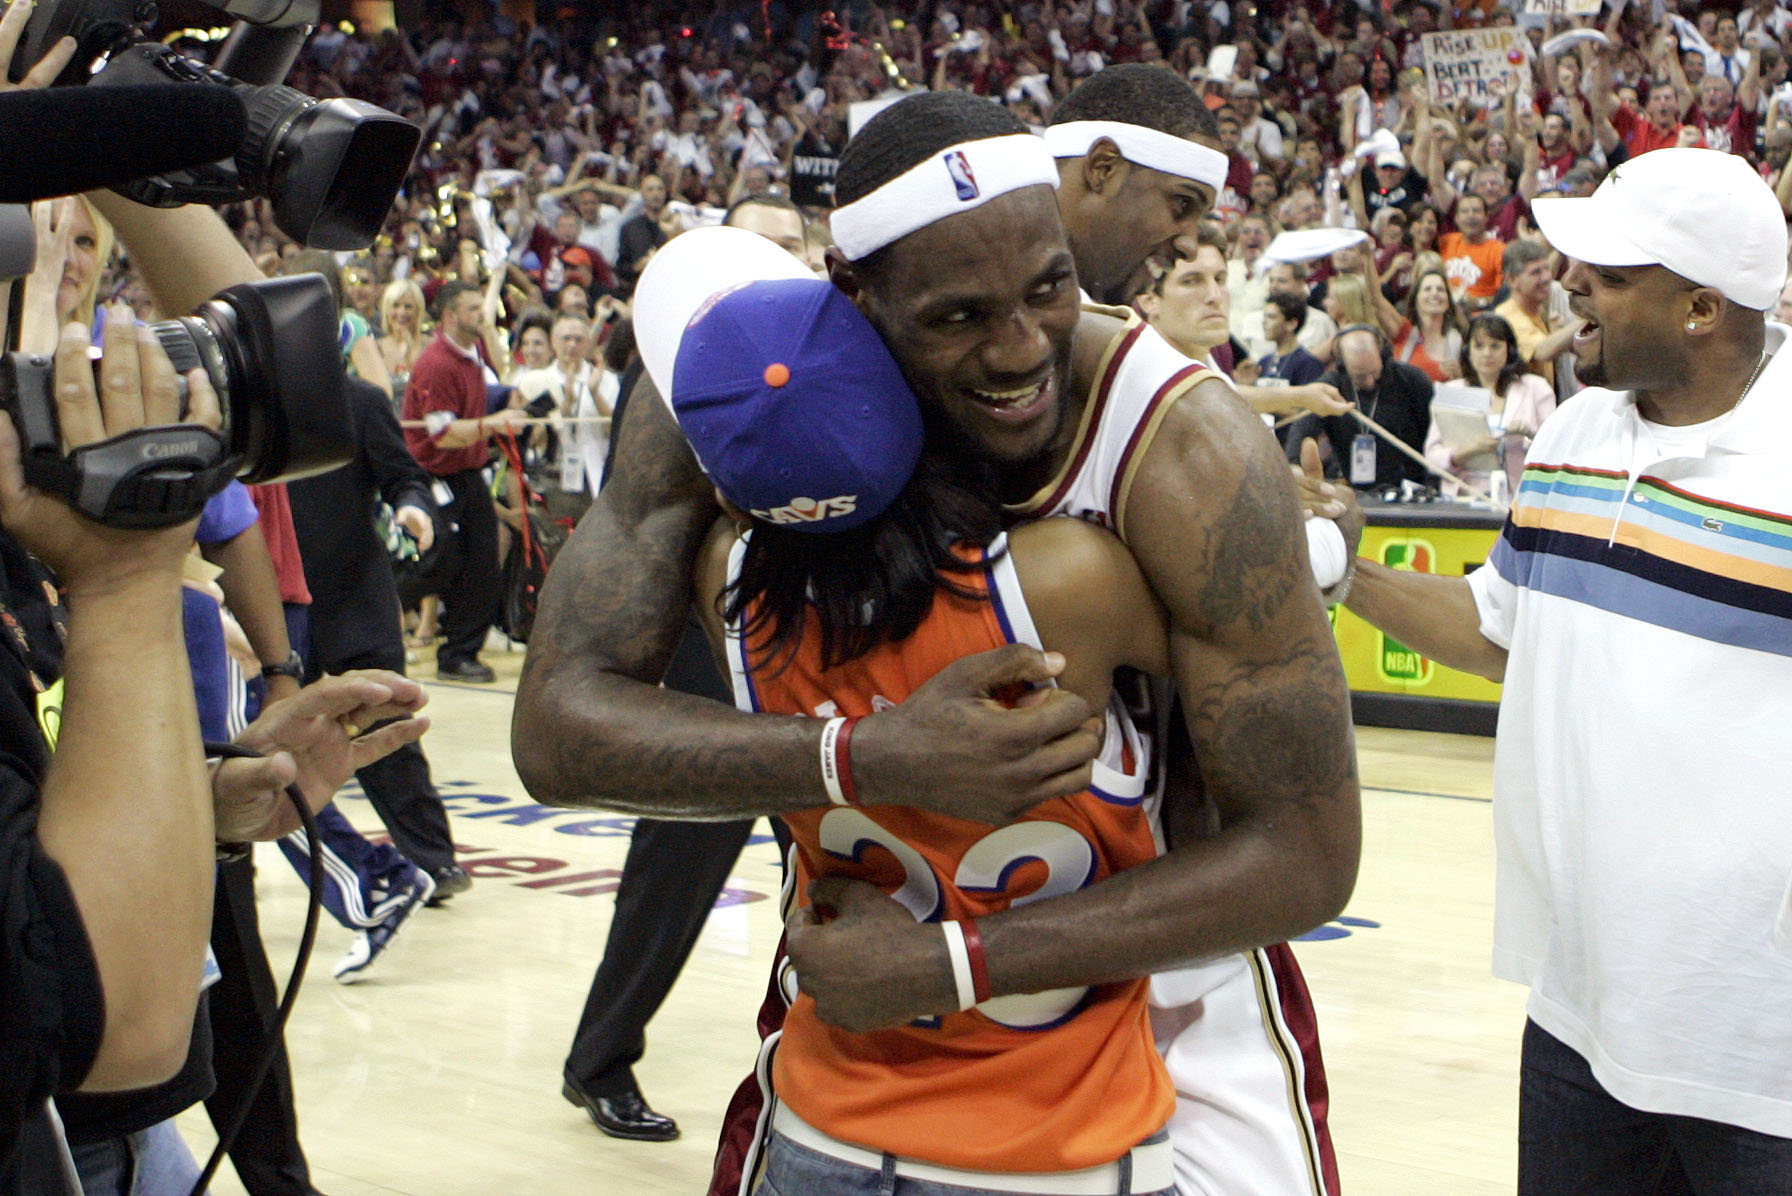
(293,666)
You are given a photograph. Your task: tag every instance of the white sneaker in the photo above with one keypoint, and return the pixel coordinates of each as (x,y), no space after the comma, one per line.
(371,943)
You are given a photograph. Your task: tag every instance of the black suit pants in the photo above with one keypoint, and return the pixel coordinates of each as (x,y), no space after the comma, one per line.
(243,1006)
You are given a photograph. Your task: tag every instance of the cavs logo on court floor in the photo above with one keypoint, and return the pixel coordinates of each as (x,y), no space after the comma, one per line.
(1395,661)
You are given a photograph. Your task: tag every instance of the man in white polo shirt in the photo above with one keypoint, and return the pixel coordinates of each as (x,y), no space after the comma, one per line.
(1639,606)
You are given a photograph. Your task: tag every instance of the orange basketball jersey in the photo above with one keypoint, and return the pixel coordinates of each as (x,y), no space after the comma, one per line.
(1052,1081)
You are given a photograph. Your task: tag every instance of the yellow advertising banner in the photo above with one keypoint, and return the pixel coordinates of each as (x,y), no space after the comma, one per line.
(1378,663)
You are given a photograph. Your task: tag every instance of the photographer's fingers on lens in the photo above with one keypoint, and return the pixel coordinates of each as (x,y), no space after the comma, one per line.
(121,373)
(202,401)
(161,389)
(76,412)
(12,27)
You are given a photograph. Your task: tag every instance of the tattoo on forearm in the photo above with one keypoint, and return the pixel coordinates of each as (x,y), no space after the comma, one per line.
(612,612)
(1274,729)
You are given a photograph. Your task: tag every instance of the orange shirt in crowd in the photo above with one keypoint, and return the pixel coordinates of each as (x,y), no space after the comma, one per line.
(1473,270)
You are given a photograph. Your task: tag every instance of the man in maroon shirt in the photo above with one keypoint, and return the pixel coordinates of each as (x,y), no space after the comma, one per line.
(446,394)
(1660,128)
(1726,115)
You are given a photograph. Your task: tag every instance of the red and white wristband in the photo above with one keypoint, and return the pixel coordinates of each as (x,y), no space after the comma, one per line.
(970,969)
(836,761)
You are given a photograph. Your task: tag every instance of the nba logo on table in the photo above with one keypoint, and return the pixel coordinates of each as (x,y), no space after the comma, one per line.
(962,178)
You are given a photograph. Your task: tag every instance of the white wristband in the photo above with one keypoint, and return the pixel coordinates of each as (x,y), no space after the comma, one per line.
(960,955)
(830,770)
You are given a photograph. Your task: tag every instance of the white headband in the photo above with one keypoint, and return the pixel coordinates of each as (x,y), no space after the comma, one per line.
(967,176)
(1150,148)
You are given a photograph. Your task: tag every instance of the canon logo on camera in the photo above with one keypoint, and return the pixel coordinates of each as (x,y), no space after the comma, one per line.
(173,448)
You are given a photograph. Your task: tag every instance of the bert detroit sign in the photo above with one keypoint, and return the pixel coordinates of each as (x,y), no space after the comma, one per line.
(1478,65)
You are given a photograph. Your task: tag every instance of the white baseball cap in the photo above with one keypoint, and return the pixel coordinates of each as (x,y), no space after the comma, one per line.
(688,272)
(1705,215)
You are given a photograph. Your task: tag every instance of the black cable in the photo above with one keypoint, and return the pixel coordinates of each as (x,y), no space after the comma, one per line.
(227,1135)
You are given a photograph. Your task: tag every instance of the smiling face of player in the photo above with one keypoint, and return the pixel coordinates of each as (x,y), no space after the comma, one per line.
(1137,215)
(979,311)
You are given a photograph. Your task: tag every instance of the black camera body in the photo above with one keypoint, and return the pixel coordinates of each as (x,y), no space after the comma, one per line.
(331,167)
(268,349)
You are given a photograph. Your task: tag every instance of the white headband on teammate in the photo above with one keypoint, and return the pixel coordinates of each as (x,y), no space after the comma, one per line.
(1151,148)
(966,176)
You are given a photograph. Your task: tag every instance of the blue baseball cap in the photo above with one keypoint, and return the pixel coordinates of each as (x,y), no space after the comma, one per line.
(794,406)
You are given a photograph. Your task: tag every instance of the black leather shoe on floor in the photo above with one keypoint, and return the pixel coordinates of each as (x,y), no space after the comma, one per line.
(465,670)
(450,879)
(624,1115)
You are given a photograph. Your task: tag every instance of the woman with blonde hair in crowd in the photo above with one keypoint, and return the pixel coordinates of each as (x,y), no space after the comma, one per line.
(1345,296)
(402,314)
(1347,300)
(74,244)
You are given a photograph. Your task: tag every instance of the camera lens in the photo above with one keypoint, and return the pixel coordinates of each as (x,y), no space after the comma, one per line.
(270,351)
(331,167)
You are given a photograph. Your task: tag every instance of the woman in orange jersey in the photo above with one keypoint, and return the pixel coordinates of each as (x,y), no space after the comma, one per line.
(850,585)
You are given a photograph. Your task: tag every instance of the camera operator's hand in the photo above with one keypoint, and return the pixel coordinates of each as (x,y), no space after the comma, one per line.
(12,27)
(317,739)
(137,387)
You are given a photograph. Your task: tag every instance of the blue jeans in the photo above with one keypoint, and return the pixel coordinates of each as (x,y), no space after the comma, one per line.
(1576,1139)
(795,1170)
(151,1162)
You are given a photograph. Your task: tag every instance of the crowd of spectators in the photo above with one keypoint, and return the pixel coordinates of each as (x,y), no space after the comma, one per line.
(558,157)
(561,155)
(1369,243)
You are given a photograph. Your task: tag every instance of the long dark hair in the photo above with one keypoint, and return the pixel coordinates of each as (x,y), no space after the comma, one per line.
(870,585)
(1494,328)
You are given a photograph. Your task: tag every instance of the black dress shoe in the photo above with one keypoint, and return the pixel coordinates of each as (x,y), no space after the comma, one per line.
(450,879)
(624,1115)
(474,671)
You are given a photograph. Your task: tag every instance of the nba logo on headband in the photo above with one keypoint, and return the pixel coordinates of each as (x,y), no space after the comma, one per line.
(947,182)
(959,167)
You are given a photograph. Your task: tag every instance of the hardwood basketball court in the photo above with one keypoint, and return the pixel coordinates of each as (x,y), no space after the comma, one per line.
(440,1074)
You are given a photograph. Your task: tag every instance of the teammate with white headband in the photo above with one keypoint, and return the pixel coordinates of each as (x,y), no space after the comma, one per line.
(1139,165)
(1132,151)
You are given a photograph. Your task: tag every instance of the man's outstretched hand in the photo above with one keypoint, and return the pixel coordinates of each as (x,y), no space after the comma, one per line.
(1328,500)
(318,738)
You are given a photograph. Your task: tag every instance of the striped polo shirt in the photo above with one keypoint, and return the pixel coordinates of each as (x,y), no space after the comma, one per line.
(1643,772)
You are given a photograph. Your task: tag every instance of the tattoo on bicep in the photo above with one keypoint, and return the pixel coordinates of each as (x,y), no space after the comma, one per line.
(1252,555)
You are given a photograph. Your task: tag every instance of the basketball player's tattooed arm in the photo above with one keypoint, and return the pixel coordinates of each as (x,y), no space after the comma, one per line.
(592,727)
(1214,524)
